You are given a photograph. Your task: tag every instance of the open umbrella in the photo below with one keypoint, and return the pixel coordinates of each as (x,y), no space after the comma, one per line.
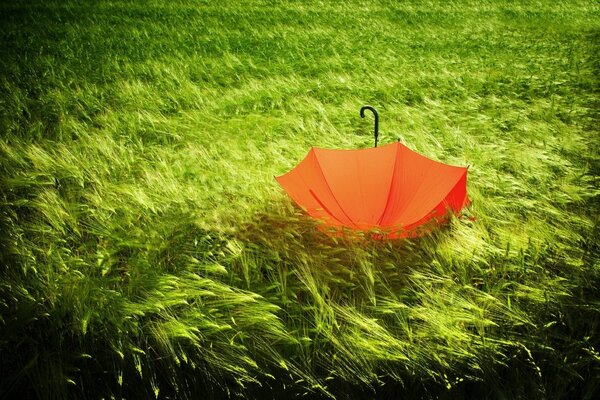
(389,188)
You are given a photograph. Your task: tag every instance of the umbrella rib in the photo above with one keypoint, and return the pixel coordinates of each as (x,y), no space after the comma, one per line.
(324,206)
(331,191)
(389,198)
(428,215)
(414,193)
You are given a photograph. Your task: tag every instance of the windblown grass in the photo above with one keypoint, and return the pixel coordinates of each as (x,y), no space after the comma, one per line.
(147,251)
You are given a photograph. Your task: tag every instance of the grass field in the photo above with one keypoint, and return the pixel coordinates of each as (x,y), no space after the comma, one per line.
(146,250)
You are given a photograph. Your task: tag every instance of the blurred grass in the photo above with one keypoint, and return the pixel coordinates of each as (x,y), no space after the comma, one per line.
(146,250)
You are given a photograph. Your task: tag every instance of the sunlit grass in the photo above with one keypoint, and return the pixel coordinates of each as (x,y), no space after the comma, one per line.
(147,251)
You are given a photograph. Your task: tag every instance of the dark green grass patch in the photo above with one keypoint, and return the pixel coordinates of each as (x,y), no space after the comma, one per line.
(146,250)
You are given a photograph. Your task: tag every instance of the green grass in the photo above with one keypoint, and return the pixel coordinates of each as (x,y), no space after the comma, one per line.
(146,250)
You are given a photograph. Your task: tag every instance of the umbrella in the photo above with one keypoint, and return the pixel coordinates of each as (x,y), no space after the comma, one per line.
(389,188)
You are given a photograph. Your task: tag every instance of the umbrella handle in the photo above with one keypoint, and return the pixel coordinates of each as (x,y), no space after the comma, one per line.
(362,115)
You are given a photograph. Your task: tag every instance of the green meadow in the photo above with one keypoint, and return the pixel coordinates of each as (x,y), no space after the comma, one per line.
(146,250)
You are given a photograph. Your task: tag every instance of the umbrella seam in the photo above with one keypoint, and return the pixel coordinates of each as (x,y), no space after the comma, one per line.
(324,206)
(360,186)
(331,191)
(414,193)
(387,203)
(411,225)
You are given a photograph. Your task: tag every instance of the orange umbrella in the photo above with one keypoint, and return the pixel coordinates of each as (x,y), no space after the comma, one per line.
(390,188)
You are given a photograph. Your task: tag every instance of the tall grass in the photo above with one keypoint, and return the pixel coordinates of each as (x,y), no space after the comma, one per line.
(146,250)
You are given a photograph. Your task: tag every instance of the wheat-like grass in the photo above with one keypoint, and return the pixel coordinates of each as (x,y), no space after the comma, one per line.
(147,252)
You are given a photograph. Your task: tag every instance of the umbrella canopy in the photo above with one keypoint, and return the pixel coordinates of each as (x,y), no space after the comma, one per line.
(389,188)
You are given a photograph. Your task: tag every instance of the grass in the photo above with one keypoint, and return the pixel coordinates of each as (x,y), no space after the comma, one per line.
(146,250)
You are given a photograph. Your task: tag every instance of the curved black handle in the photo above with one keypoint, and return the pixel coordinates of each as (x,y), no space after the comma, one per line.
(362,115)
